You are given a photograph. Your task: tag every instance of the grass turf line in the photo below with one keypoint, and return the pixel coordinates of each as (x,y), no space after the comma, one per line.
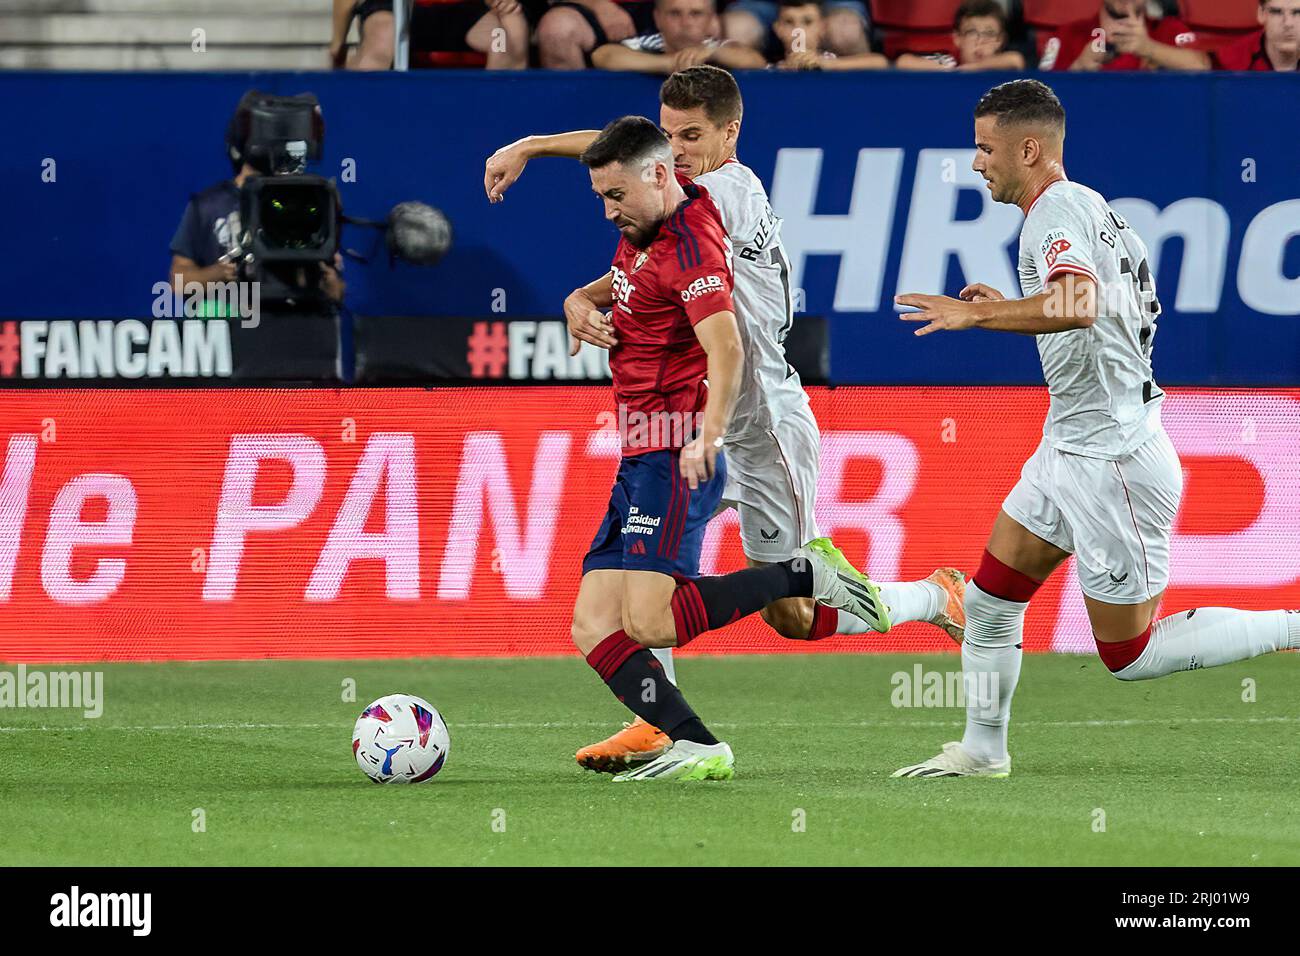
(1186,772)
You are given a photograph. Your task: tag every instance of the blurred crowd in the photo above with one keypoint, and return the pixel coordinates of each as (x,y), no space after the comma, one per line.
(661,36)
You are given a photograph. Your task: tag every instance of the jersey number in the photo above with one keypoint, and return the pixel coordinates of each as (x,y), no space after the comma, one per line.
(1150,306)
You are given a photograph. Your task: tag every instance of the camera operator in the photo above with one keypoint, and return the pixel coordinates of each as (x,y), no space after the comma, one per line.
(206,242)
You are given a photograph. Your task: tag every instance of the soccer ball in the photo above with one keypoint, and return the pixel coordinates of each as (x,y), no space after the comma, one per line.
(400,739)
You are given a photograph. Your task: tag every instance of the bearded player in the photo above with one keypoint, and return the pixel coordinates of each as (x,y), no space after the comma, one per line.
(773,444)
(670,295)
(1105,482)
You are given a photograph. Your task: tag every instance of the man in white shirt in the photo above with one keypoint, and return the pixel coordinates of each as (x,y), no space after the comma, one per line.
(1104,484)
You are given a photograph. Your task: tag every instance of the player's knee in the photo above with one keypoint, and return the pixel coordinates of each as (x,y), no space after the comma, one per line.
(1121,657)
(648,628)
(585,634)
(845,33)
(790,619)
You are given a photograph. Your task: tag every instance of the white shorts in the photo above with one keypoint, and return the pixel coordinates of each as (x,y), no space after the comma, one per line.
(772,484)
(1116,517)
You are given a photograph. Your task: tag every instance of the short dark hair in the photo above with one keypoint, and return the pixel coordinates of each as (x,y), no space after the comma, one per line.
(626,140)
(1022,101)
(979,8)
(819,4)
(708,86)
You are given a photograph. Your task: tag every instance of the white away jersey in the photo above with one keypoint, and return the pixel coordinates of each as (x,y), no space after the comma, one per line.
(764,307)
(1104,399)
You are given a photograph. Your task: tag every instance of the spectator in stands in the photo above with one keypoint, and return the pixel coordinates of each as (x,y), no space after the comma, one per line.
(801,28)
(751,22)
(375,24)
(502,33)
(687,36)
(980,34)
(448,27)
(1276,46)
(571,29)
(1122,37)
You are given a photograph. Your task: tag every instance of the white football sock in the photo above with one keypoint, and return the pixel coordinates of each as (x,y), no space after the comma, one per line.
(1210,636)
(907,600)
(664,655)
(990,663)
(851,624)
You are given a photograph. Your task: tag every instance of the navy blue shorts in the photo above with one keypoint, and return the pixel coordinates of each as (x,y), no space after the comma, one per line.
(654,521)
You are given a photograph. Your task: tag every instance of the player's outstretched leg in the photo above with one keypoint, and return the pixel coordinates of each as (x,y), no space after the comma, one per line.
(937,599)
(940,601)
(707,603)
(658,610)
(662,611)
(1201,637)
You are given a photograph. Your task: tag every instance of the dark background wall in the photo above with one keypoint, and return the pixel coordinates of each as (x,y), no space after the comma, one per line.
(130,148)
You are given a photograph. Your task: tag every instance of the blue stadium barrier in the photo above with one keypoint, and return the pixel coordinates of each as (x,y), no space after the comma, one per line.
(869,171)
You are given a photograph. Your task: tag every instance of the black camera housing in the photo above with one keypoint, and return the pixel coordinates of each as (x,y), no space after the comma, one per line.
(289,225)
(276,135)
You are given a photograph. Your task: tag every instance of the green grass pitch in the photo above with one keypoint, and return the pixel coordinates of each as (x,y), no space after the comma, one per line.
(1184,770)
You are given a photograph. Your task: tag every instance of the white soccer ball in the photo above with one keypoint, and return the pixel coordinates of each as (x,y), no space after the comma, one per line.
(400,739)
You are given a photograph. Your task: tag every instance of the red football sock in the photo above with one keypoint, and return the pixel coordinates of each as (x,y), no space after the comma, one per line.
(1003,581)
(826,621)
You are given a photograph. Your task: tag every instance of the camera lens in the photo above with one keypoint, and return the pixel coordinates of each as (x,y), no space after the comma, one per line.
(294,217)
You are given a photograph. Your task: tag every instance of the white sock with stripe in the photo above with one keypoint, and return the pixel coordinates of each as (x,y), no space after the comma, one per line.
(907,600)
(990,663)
(664,655)
(1210,636)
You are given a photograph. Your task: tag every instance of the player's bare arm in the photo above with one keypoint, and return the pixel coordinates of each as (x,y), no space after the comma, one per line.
(507,164)
(1069,302)
(582,311)
(720,338)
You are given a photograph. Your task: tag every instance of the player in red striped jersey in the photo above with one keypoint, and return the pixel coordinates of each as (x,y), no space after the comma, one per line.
(773,445)
(670,295)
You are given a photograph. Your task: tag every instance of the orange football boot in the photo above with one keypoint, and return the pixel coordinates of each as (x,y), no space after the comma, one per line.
(952,619)
(637,743)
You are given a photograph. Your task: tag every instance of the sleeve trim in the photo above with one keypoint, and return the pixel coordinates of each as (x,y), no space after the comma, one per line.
(1067,267)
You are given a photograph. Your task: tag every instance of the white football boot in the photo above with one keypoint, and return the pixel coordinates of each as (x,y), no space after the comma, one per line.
(955,762)
(838,584)
(685,760)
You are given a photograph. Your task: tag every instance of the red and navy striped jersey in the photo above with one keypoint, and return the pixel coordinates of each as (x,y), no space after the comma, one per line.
(659,294)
